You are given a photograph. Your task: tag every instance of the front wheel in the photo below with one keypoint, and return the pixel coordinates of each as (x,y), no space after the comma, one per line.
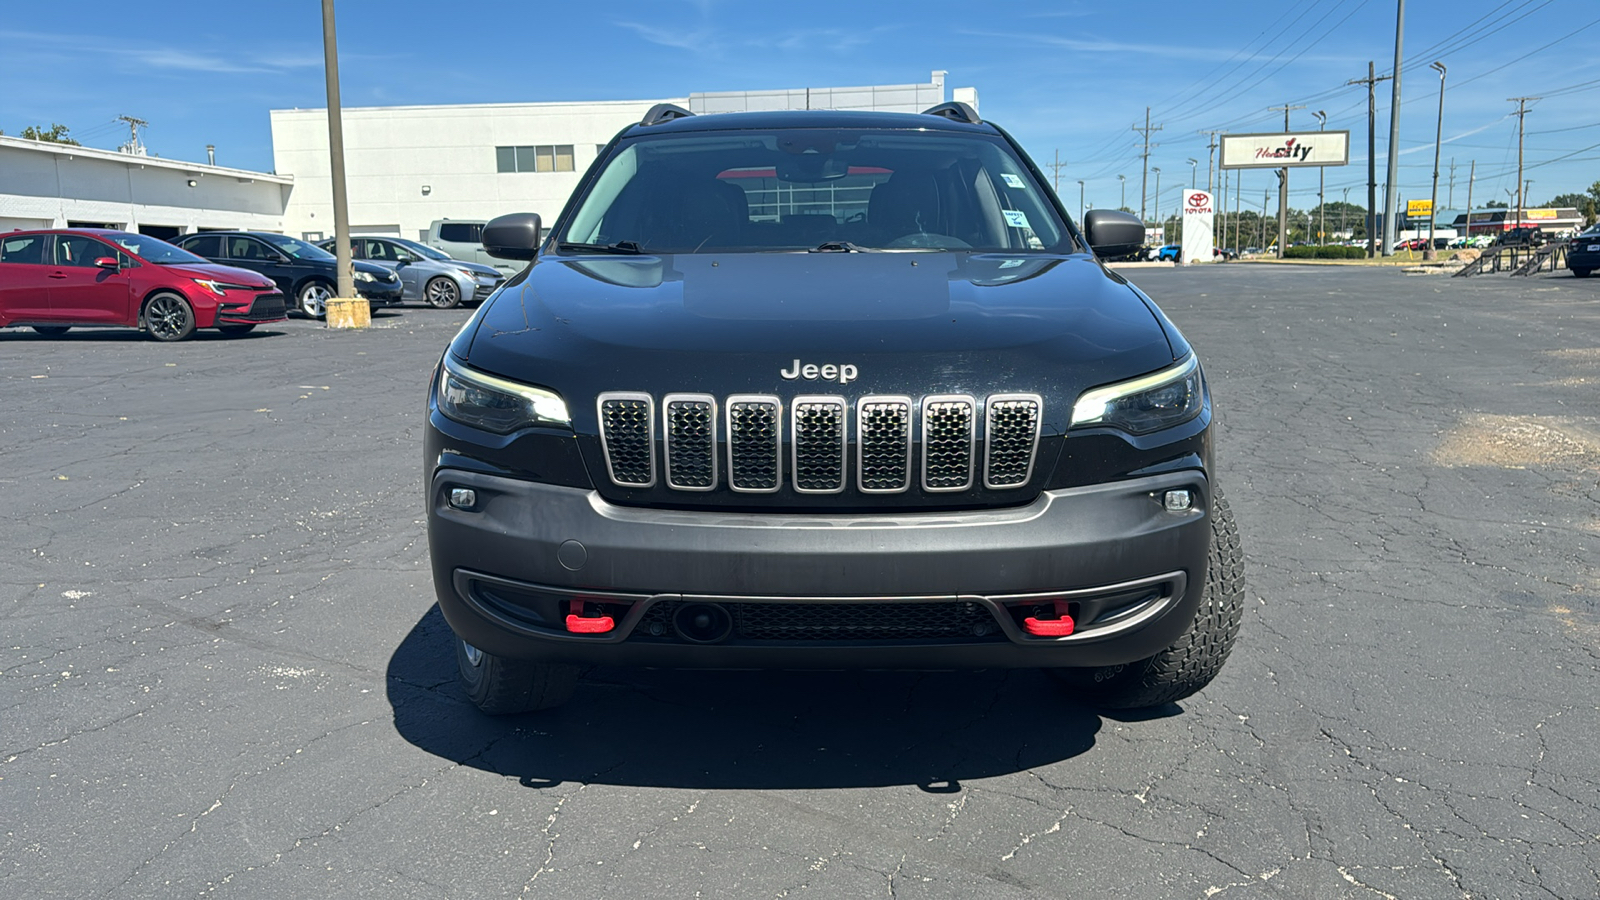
(501,686)
(1197,655)
(313,298)
(167,318)
(442,293)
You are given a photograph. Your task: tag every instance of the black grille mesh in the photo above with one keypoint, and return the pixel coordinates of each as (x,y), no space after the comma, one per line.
(883,437)
(1013,430)
(753,427)
(691,444)
(819,445)
(942,620)
(625,424)
(947,444)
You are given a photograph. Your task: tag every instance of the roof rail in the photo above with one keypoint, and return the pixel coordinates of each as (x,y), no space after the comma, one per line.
(664,112)
(955,111)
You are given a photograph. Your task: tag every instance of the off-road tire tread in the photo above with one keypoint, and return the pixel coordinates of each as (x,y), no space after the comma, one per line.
(510,686)
(1197,655)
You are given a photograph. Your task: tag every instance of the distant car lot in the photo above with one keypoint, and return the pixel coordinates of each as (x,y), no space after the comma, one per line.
(225,672)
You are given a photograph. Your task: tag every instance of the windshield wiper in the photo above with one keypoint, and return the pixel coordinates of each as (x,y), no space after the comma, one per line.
(841,247)
(628,247)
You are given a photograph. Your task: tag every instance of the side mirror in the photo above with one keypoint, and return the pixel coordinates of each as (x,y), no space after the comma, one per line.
(107,262)
(513,236)
(1112,232)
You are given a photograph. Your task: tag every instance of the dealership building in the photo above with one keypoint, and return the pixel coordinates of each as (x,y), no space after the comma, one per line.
(408,166)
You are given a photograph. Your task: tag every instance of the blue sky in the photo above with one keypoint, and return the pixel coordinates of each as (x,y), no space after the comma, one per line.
(1067,77)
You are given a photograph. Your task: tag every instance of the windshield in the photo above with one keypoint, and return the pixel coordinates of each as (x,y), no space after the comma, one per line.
(153,250)
(295,247)
(421,249)
(804,189)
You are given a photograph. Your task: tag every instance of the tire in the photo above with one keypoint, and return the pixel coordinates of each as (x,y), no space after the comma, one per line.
(442,293)
(236,330)
(168,318)
(1197,655)
(1581,273)
(312,298)
(52,330)
(500,686)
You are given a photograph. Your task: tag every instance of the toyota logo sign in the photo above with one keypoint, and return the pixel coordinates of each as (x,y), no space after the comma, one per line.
(1198,200)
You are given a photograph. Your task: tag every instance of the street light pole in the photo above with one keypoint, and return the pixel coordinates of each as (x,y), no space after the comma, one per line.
(1156,214)
(1080,200)
(341,311)
(1391,190)
(1429,252)
(1193,168)
(1322,184)
(1342,208)
(1123,181)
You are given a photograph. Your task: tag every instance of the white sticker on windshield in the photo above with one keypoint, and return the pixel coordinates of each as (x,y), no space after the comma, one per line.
(1016,218)
(1011,180)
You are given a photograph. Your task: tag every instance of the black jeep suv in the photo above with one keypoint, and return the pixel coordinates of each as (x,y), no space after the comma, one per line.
(825,389)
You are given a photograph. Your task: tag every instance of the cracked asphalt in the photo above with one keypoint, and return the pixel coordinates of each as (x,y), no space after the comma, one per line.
(223,674)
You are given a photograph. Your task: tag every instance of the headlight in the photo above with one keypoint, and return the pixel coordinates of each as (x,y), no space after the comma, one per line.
(364,276)
(214,287)
(1167,398)
(469,273)
(495,404)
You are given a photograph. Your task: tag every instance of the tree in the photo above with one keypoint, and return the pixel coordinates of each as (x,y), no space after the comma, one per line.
(1569,201)
(55,134)
(1495,204)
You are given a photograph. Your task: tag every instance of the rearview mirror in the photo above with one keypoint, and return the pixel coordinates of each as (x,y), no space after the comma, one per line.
(1111,232)
(513,236)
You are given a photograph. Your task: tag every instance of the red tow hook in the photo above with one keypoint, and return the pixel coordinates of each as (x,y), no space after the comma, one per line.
(596,624)
(1060,626)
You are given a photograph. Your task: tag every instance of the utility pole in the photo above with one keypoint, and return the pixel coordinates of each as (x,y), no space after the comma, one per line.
(1283,188)
(1522,111)
(1392,189)
(1472,178)
(1429,252)
(1451,202)
(1343,209)
(1056,168)
(1144,181)
(1372,159)
(350,314)
(133,146)
(1211,160)
(1322,184)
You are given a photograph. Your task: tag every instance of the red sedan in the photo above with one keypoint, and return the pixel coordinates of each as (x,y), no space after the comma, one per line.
(61,279)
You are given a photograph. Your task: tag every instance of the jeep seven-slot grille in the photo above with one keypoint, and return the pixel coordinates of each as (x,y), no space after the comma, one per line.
(751,427)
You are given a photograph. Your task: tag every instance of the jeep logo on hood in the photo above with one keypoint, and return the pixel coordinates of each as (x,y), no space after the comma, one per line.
(844,374)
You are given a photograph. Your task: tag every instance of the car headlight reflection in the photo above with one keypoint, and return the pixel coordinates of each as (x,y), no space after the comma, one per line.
(365,276)
(1160,400)
(495,404)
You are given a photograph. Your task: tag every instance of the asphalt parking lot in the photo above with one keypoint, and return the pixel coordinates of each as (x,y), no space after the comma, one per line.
(224,675)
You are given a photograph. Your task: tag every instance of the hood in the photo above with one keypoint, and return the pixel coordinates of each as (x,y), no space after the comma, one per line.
(384,273)
(476,268)
(214,271)
(908,323)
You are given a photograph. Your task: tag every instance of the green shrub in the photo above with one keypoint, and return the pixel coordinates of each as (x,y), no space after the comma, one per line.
(1330,251)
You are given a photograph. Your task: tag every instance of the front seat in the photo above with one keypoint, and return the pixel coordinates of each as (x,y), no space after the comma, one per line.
(908,203)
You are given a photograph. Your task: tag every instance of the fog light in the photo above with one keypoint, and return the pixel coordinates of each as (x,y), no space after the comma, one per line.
(1177,501)
(466,498)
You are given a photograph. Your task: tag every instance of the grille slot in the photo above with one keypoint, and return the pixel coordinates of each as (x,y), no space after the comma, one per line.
(1010,439)
(627,436)
(755,431)
(883,445)
(962,621)
(948,438)
(689,425)
(817,444)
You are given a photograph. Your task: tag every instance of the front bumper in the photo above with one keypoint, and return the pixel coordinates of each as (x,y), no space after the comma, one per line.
(267,307)
(510,569)
(379,293)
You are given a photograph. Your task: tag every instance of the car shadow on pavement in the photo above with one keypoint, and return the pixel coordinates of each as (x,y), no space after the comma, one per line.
(129,335)
(743,729)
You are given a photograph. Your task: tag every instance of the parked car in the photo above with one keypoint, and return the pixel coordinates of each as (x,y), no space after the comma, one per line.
(1522,236)
(922,429)
(60,279)
(1169,253)
(460,239)
(303,271)
(426,275)
(1224,253)
(1583,252)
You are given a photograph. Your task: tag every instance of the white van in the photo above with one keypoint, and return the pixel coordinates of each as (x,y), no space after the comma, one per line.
(462,239)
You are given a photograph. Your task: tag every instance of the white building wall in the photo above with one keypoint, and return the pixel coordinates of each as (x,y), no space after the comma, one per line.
(44,185)
(392,154)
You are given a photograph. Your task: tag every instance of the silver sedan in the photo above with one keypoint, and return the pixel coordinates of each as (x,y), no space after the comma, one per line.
(426,275)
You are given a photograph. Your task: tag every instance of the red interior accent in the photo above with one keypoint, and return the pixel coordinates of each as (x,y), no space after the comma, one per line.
(1061,626)
(596,624)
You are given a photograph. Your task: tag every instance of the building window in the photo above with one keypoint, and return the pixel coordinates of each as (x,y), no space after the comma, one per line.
(540,158)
